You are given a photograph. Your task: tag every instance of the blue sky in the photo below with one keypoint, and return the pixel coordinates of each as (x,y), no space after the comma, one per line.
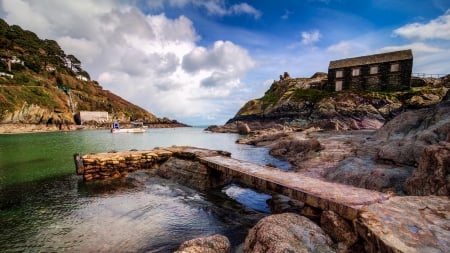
(199,61)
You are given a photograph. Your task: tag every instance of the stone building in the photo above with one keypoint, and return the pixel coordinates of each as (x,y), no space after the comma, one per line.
(85,116)
(386,71)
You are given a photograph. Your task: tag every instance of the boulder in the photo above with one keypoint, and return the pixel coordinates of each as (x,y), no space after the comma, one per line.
(432,177)
(210,244)
(295,150)
(365,173)
(263,137)
(403,139)
(243,128)
(287,232)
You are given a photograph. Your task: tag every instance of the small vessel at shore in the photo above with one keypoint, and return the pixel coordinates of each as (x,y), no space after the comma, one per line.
(136,127)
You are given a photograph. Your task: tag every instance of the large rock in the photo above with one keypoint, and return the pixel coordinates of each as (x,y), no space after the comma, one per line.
(406,224)
(404,138)
(287,232)
(295,150)
(210,244)
(35,114)
(243,128)
(432,177)
(365,173)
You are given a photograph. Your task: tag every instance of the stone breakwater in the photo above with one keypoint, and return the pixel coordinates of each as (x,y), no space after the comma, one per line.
(114,165)
(375,221)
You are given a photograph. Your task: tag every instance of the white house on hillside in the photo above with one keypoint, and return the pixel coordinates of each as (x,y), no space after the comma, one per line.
(82,78)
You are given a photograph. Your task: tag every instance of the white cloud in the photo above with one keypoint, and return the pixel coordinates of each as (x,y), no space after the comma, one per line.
(309,38)
(429,43)
(155,4)
(151,60)
(244,8)
(418,47)
(224,56)
(219,7)
(427,59)
(345,48)
(286,14)
(87,50)
(178,3)
(438,28)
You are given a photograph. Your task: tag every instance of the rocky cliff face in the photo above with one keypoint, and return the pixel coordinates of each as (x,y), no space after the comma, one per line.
(48,85)
(34,114)
(302,103)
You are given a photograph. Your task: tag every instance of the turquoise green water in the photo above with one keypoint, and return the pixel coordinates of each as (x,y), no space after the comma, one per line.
(45,207)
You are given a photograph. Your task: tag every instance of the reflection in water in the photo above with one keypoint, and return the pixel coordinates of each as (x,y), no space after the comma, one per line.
(135,214)
(45,207)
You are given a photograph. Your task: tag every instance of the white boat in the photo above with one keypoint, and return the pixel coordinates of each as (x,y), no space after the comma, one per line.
(137,127)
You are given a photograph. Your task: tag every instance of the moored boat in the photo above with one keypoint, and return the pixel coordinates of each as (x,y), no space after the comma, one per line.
(136,127)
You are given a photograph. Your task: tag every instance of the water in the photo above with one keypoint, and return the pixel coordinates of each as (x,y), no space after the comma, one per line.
(45,207)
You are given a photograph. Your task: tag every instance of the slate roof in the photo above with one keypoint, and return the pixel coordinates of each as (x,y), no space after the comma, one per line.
(372,59)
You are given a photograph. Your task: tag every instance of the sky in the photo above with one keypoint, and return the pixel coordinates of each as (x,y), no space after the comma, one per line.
(200,61)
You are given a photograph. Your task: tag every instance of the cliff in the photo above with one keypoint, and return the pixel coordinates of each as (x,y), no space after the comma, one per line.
(41,84)
(302,103)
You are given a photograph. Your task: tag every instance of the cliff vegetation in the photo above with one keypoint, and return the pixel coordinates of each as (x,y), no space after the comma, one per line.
(40,83)
(303,103)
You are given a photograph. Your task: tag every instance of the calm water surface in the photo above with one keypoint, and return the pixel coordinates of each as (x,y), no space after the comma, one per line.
(45,207)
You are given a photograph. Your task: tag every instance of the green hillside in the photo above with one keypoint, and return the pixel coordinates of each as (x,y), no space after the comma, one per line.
(38,72)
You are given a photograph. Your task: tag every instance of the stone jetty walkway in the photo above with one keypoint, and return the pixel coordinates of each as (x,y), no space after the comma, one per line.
(386,223)
(343,199)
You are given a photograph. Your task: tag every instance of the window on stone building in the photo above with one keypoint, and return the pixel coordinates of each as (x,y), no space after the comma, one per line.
(339,74)
(395,67)
(373,70)
(338,85)
(355,72)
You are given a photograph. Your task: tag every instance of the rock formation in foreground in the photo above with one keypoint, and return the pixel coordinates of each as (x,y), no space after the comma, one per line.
(209,244)
(287,232)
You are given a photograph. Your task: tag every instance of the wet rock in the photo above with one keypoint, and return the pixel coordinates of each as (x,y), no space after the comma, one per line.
(210,244)
(338,229)
(287,232)
(282,204)
(227,128)
(432,177)
(263,138)
(243,128)
(295,150)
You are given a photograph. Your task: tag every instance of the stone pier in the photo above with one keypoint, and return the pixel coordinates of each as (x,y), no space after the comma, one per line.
(385,223)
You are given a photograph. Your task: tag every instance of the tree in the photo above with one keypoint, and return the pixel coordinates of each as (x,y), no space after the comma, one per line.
(54,54)
(85,74)
(74,63)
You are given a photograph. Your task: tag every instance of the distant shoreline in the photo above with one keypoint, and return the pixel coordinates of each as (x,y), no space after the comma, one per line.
(25,128)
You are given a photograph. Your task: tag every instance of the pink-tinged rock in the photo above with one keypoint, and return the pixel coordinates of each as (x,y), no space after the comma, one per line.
(406,224)
(287,232)
(210,244)
(432,177)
